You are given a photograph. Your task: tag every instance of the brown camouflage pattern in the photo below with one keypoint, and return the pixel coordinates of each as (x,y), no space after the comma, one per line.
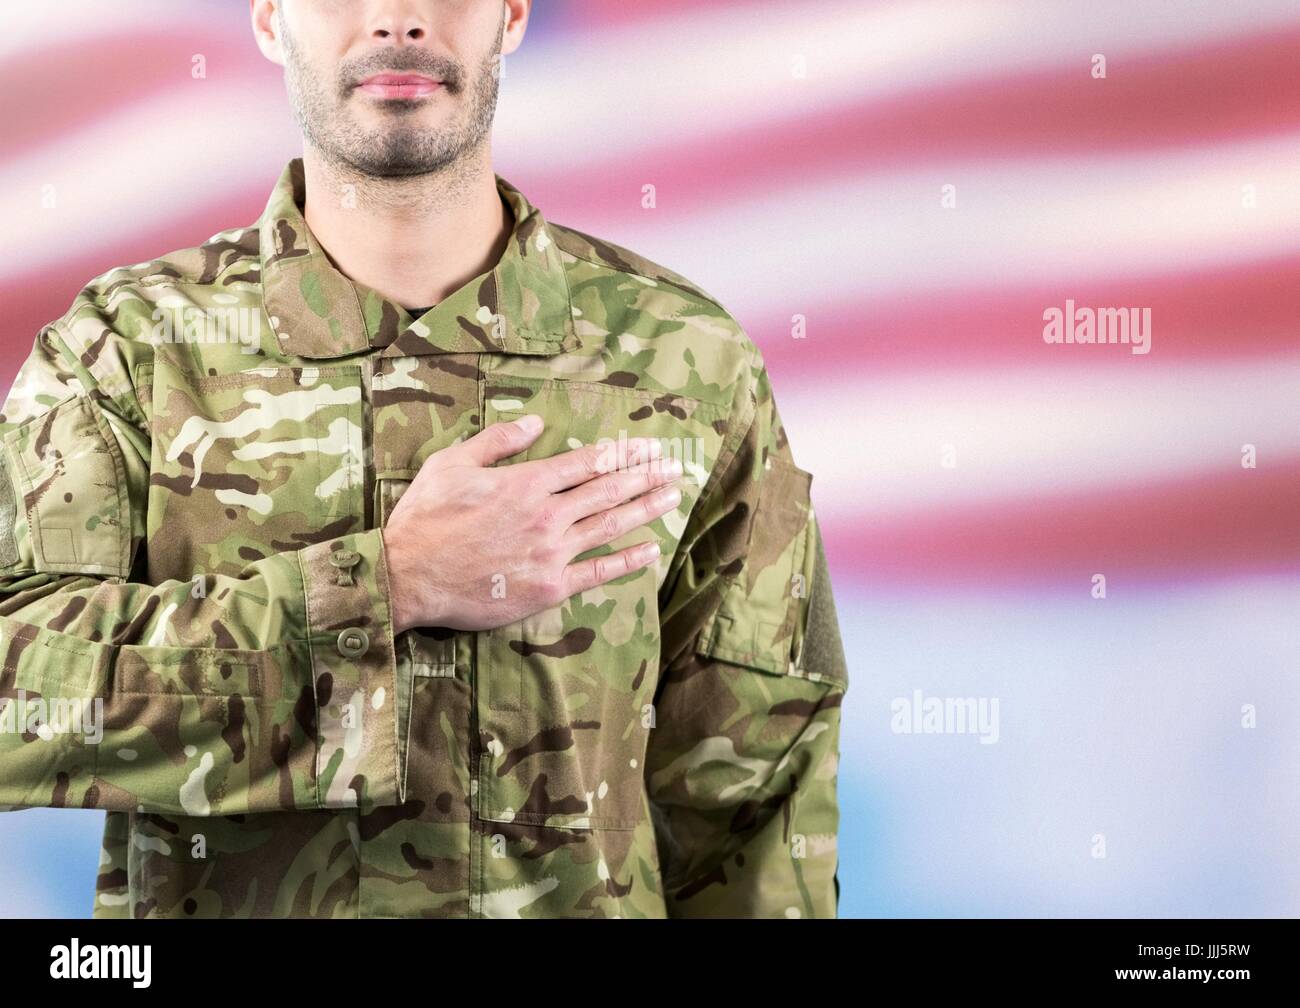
(195,461)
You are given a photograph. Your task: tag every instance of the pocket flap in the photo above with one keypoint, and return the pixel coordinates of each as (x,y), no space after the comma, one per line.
(70,506)
(762,620)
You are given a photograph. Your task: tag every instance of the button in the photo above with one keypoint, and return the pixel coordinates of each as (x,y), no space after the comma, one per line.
(344,560)
(353,642)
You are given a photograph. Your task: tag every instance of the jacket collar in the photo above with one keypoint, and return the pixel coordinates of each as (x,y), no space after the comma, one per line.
(521,307)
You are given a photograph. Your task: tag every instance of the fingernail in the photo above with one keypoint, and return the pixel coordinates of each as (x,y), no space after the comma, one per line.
(529,424)
(671,497)
(649,551)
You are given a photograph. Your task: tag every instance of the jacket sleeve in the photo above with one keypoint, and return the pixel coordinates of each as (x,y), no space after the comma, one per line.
(272,689)
(743,754)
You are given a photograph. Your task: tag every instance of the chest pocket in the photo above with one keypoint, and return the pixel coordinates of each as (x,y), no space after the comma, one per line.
(251,463)
(563,698)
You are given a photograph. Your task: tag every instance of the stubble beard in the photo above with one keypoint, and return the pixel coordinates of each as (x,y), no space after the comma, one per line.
(394,150)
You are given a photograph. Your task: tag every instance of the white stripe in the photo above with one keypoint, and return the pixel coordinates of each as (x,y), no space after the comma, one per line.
(674,79)
(126,174)
(1083,219)
(874,446)
(73,22)
(1072,220)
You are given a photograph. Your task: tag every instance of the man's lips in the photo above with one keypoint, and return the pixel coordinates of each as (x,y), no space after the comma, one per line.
(392,85)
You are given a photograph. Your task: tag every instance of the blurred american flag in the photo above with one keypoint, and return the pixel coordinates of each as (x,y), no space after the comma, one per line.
(798,154)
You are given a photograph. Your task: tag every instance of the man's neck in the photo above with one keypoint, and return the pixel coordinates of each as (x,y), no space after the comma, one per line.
(415,240)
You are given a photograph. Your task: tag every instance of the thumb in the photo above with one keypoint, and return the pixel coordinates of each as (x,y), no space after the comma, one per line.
(498,441)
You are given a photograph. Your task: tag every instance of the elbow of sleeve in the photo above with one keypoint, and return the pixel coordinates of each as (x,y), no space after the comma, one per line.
(786,868)
(762,840)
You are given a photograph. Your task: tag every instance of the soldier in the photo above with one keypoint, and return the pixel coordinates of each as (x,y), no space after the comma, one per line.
(510,604)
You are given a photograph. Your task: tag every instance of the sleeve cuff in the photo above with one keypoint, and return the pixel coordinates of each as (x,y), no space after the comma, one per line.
(360,758)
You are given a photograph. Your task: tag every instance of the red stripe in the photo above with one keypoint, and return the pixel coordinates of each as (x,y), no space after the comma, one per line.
(1239,89)
(114,73)
(36,299)
(1247,311)
(1244,89)
(1236,522)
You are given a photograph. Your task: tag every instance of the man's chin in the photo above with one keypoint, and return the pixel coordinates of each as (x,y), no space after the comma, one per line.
(399,165)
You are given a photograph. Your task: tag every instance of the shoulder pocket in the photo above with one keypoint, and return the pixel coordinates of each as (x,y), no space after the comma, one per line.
(68,480)
(763,619)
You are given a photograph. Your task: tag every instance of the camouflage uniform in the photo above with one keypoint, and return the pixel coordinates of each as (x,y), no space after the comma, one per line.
(195,461)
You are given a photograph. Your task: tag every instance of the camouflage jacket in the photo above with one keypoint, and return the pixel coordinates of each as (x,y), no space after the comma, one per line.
(195,461)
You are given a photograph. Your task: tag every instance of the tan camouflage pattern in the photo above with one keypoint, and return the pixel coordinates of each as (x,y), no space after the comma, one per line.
(196,462)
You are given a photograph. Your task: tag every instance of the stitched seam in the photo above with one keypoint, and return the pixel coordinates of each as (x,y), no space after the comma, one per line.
(715,480)
(203,383)
(123,503)
(102,299)
(72,351)
(693,292)
(33,527)
(311,671)
(598,388)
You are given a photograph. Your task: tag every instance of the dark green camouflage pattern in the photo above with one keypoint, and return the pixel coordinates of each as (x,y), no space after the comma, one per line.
(195,461)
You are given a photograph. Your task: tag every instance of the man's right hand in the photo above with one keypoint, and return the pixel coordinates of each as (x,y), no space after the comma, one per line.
(473,547)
